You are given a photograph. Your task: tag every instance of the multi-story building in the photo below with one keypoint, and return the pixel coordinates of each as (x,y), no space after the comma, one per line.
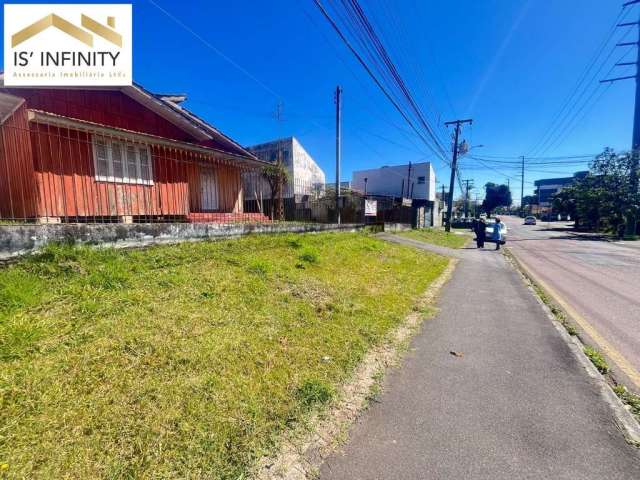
(546,188)
(306,178)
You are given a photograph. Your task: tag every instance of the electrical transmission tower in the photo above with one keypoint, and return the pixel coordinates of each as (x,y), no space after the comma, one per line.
(635,144)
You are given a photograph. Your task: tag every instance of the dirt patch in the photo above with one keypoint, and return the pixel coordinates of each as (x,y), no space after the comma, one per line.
(304,449)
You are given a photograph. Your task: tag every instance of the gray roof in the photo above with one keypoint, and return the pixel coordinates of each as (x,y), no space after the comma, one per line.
(8,105)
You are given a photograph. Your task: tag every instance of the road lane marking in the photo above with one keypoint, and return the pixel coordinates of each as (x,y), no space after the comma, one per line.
(603,344)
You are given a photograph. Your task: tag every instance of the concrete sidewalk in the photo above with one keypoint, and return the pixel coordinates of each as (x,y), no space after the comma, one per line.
(517,405)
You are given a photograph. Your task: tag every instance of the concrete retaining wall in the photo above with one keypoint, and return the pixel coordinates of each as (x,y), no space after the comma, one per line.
(16,240)
(396,227)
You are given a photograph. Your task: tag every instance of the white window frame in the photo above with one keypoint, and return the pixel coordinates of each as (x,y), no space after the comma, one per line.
(124,145)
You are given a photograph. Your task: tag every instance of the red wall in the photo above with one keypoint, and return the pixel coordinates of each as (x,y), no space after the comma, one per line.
(111,108)
(65,175)
(56,164)
(17,181)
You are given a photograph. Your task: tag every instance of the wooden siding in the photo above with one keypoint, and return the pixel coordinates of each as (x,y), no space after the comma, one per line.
(48,171)
(112,108)
(67,185)
(17,181)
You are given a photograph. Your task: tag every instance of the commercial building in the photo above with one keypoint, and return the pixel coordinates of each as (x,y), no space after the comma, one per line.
(546,188)
(415,182)
(306,178)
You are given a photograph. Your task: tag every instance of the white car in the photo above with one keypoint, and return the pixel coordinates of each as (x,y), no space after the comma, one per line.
(489,230)
(530,220)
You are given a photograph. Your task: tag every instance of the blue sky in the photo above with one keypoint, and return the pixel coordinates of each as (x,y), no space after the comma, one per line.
(508,64)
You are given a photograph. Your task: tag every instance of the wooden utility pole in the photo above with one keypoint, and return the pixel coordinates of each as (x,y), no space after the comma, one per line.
(454,166)
(466,197)
(338,125)
(522,190)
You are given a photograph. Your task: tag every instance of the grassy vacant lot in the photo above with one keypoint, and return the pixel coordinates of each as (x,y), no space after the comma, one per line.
(437,236)
(186,361)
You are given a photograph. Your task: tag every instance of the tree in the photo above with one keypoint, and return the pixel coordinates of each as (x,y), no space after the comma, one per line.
(496,196)
(604,199)
(528,201)
(276,176)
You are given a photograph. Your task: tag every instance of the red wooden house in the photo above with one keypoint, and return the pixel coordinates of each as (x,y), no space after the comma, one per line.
(115,154)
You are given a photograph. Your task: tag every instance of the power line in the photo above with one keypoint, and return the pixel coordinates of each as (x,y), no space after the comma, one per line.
(378,53)
(570,125)
(578,86)
(216,50)
(380,114)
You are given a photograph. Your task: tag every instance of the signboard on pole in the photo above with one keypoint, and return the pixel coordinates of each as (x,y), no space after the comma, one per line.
(370,208)
(407,202)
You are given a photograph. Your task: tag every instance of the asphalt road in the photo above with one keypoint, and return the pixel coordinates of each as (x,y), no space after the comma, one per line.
(516,405)
(600,280)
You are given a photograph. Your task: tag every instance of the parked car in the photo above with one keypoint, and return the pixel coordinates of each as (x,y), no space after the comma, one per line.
(489,229)
(530,220)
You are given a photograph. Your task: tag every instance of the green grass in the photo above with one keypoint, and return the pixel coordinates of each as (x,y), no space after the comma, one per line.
(628,398)
(437,236)
(555,310)
(597,359)
(187,361)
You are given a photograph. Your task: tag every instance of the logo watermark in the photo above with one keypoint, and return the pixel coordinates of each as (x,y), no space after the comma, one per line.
(64,45)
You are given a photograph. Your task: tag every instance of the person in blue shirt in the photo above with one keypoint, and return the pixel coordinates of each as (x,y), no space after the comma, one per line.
(497,232)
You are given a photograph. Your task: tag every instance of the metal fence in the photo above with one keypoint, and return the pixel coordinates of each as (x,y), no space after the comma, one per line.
(52,172)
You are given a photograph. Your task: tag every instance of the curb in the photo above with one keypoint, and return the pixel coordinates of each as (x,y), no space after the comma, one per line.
(624,419)
(303,450)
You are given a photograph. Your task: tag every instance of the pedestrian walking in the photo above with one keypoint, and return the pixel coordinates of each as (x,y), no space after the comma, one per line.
(481,232)
(498,233)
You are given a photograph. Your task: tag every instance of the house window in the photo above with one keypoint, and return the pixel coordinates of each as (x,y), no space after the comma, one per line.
(421,180)
(122,162)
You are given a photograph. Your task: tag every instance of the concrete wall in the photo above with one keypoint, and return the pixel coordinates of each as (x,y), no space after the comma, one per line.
(308,177)
(16,240)
(396,227)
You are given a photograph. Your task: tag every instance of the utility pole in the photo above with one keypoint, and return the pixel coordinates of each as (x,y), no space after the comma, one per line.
(444,202)
(522,190)
(454,165)
(338,125)
(466,197)
(635,142)
(409,181)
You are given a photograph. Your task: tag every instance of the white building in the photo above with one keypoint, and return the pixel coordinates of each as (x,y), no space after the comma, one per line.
(416,181)
(305,176)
